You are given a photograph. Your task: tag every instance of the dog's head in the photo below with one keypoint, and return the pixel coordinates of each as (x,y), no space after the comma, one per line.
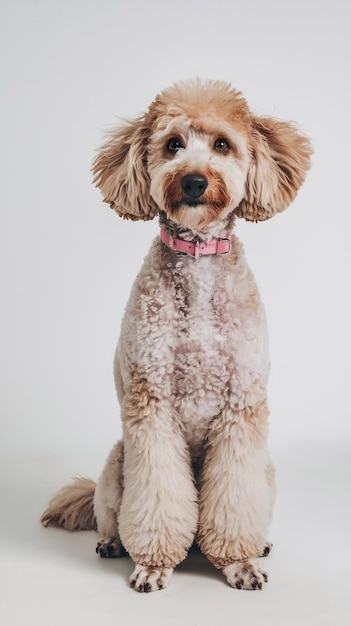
(199,154)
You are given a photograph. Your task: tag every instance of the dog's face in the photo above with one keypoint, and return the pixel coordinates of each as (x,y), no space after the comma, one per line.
(197,170)
(199,154)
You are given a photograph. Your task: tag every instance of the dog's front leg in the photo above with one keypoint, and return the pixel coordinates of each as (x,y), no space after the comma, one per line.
(159,514)
(236,495)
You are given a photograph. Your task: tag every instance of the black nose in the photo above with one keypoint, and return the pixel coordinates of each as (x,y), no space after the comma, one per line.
(194,185)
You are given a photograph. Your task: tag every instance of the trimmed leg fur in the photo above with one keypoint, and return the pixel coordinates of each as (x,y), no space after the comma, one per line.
(235,514)
(158,515)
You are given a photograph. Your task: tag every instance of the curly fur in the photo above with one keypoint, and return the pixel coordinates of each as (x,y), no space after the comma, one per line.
(192,364)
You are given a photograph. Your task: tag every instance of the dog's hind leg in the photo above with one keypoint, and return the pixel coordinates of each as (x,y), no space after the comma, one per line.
(267,549)
(270,476)
(107,501)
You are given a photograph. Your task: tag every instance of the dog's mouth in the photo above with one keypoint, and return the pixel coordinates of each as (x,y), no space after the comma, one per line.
(188,202)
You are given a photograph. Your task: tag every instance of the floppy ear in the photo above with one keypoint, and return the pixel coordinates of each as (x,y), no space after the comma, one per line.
(120,171)
(279,163)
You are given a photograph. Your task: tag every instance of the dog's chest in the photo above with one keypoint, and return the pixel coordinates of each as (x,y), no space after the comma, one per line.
(201,351)
(195,331)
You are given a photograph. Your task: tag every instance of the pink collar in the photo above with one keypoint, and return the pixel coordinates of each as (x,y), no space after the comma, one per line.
(196,248)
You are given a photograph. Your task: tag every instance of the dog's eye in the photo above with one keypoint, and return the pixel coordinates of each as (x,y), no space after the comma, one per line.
(221,145)
(174,145)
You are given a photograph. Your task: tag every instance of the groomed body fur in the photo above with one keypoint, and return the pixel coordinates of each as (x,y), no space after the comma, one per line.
(192,363)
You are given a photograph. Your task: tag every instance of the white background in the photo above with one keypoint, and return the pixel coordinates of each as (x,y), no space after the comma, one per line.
(69,69)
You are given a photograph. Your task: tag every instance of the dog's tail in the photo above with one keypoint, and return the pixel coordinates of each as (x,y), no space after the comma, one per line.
(72,507)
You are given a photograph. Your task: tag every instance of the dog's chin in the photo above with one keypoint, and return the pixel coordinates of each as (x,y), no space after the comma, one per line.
(192,214)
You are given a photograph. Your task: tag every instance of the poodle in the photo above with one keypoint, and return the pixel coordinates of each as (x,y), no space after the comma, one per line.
(192,363)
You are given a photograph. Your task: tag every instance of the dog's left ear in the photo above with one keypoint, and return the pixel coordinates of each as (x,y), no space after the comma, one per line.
(279,162)
(120,171)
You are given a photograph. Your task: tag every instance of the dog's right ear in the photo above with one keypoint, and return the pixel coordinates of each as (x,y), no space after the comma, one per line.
(120,171)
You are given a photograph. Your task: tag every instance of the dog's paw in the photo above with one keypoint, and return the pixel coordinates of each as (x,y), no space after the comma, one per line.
(245,575)
(110,547)
(267,549)
(146,579)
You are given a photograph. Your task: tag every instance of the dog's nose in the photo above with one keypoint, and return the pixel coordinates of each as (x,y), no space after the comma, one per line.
(194,185)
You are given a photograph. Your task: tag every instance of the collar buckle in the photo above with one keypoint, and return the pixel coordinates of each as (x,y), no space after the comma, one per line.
(229,242)
(197,250)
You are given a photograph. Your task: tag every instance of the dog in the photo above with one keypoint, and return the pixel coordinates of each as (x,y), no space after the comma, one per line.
(192,363)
